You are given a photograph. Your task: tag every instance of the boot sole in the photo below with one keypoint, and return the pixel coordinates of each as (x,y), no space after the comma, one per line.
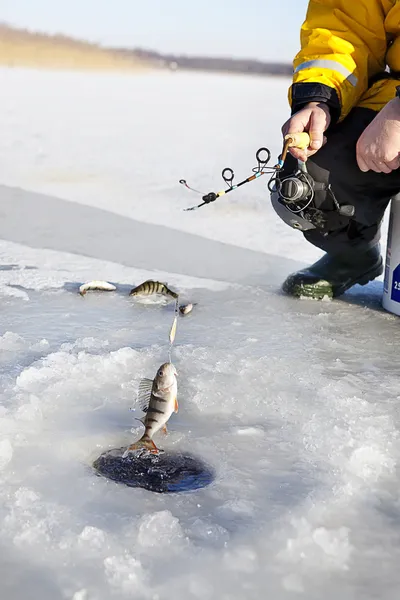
(317,291)
(323,289)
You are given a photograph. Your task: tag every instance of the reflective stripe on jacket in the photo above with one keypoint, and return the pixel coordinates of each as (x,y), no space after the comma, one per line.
(346,46)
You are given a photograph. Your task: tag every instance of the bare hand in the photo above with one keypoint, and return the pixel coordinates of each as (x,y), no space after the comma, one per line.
(378,147)
(313,118)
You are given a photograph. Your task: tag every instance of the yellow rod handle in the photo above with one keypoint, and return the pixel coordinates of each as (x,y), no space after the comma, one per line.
(298,140)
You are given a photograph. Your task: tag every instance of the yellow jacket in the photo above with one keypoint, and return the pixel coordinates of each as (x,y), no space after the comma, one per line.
(346,45)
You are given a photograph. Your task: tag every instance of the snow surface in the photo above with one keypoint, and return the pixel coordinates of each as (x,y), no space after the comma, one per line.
(294,403)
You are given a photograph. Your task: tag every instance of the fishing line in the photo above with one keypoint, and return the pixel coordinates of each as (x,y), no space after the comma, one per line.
(184,182)
(172,331)
(263,156)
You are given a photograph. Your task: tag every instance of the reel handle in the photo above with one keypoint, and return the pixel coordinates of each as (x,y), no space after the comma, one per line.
(298,140)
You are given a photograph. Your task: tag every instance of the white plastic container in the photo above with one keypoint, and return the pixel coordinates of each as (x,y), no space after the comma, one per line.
(391,288)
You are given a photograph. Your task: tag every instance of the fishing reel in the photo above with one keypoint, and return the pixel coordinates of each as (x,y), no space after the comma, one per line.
(298,200)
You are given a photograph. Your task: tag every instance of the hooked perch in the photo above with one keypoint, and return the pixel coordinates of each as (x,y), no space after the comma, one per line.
(158,399)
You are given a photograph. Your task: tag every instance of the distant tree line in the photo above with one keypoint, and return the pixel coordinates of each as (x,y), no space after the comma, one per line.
(231,65)
(21,47)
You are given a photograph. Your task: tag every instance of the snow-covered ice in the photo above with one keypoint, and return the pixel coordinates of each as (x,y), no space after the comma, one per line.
(294,403)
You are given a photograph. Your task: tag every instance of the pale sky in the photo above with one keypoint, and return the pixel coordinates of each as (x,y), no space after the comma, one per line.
(262,29)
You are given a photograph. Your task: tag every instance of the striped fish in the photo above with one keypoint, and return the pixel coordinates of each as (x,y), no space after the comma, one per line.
(158,399)
(152,287)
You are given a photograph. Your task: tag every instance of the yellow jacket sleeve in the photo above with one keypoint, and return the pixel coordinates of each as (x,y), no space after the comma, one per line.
(343,45)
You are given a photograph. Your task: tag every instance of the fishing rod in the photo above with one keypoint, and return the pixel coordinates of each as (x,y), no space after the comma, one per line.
(263,156)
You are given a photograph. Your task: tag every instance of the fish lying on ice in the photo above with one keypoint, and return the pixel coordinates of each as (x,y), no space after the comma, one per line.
(103,286)
(185,309)
(158,399)
(149,287)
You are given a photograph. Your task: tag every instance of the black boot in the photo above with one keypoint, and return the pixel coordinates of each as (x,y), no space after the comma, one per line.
(331,276)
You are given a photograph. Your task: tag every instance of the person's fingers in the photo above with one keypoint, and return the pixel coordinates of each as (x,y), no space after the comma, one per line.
(317,128)
(311,151)
(314,122)
(370,164)
(299,154)
(384,167)
(394,164)
(363,166)
(298,123)
(292,127)
(375,166)
(285,128)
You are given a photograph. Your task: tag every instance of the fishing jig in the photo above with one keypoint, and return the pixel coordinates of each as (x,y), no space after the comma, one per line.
(263,156)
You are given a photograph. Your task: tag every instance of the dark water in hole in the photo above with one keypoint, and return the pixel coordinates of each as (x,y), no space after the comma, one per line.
(163,473)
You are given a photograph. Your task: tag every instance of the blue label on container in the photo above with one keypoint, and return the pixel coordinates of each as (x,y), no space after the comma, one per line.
(396,284)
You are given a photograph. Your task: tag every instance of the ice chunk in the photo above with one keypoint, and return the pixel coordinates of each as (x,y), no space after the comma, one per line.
(81,595)
(25,497)
(319,547)
(243,559)
(249,431)
(209,532)
(293,583)
(200,588)
(370,463)
(160,530)
(11,341)
(6,453)
(125,573)
(92,537)
(14,292)
(31,411)
(235,508)
(40,346)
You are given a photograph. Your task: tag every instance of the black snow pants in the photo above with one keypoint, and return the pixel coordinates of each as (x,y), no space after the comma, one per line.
(368,192)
